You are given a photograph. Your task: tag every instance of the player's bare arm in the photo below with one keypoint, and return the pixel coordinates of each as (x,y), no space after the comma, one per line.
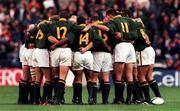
(52,39)
(62,42)
(86,28)
(118,35)
(84,49)
(57,42)
(101,27)
(107,46)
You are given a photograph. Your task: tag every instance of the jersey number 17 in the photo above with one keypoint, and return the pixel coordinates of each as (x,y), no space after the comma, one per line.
(59,30)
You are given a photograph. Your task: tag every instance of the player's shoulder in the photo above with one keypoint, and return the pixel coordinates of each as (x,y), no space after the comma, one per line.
(127,19)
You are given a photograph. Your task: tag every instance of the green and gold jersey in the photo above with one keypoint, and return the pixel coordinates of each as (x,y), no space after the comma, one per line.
(41,39)
(60,29)
(112,41)
(105,36)
(71,38)
(82,39)
(140,43)
(126,26)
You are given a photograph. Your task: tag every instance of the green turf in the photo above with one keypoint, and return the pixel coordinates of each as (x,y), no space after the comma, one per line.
(8,98)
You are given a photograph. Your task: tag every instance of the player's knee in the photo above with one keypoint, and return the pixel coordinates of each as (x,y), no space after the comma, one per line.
(149,77)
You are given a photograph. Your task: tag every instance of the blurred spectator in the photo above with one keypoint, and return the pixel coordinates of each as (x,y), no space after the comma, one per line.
(48,4)
(6,36)
(173,29)
(2,13)
(81,11)
(33,6)
(21,10)
(63,4)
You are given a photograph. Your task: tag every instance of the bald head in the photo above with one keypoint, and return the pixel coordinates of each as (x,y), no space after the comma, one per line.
(73,19)
(31,26)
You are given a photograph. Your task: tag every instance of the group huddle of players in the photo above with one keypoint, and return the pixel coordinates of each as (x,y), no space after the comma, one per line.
(118,45)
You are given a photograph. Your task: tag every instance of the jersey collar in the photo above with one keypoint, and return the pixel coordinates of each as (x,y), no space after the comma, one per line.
(82,24)
(98,22)
(117,16)
(62,19)
(49,18)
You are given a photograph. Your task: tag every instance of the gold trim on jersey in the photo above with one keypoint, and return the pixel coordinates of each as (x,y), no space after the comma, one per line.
(62,19)
(117,16)
(82,24)
(98,22)
(49,18)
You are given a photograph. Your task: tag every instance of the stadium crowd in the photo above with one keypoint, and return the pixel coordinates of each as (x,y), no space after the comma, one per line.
(56,42)
(161,18)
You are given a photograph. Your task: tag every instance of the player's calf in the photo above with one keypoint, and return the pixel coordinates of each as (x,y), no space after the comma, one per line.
(119,89)
(145,88)
(105,92)
(32,90)
(47,92)
(90,92)
(60,90)
(94,95)
(129,92)
(154,87)
(37,93)
(77,96)
(24,89)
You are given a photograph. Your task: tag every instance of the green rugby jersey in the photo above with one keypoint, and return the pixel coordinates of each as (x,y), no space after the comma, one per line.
(112,41)
(106,39)
(60,29)
(126,26)
(82,39)
(140,43)
(41,38)
(71,38)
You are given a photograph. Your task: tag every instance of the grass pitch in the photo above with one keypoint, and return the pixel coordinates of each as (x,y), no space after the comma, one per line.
(8,98)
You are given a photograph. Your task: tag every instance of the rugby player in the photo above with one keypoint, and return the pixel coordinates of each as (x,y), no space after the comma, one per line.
(41,62)
(146,59)
(137,92)
(26,82)
(83,61)
(61,53)
(102,63)
(77,82)
(124,53)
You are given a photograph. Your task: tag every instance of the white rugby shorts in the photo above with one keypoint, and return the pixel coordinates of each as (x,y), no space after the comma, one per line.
(124,52)
(146,56)
(41,58)
(81,61)
(61,57)
(102,62)
(26,55)
(21,51)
